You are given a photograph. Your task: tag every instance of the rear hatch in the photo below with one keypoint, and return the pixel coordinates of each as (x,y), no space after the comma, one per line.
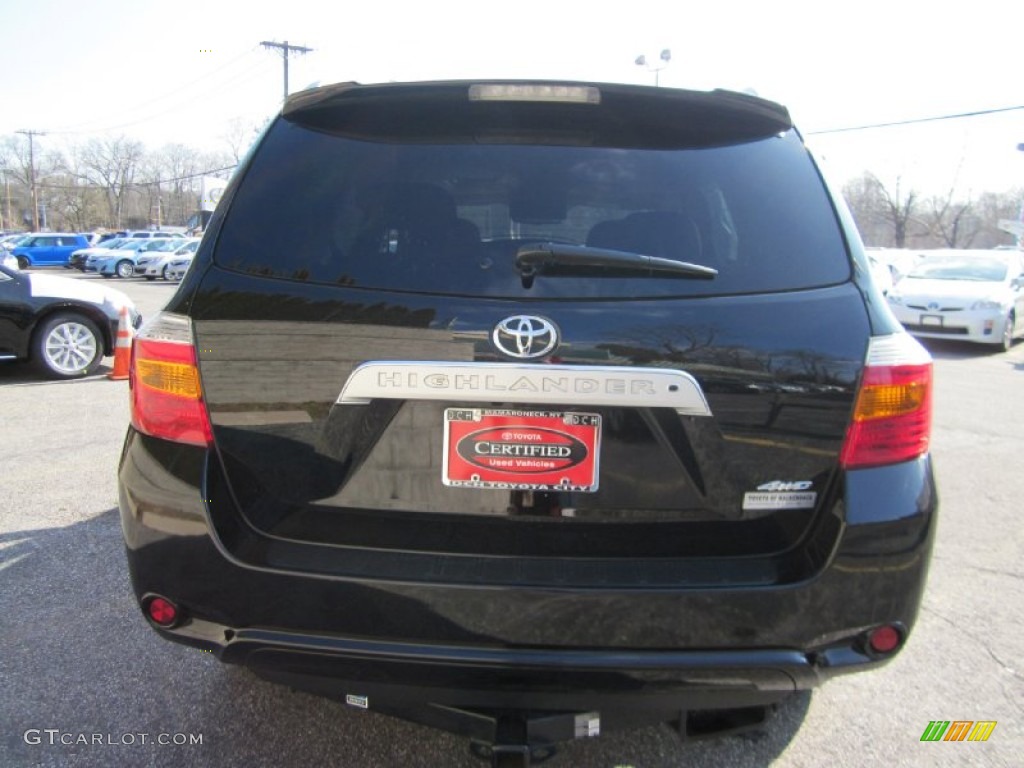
(534,334)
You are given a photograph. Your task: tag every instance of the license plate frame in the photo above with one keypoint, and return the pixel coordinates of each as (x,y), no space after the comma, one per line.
(517,449)
(932,321)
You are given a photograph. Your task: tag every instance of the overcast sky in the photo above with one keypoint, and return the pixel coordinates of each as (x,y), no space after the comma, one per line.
(181,71)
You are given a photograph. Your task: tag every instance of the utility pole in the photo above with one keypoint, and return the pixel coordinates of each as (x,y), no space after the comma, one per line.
(7,187)
(32,174)
(285,50)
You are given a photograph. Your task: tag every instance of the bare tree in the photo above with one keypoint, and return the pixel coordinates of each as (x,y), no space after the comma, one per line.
(17,162)
(863,197)
(953,222)
(239,136)
(900,208)
(74,206)
(993,208)
(180,167)
(15,182)
(884,216)
(149,190)
(112,164)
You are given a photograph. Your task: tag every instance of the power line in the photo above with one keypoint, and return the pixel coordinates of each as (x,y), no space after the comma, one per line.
(150,183)
(244,76)
(236,79)
(81,127)
(185,178)
(916,120)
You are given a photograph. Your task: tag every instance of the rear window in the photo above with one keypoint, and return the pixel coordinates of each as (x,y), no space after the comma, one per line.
(449,217)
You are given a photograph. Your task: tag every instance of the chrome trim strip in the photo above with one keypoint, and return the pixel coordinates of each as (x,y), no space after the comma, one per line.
(526,384)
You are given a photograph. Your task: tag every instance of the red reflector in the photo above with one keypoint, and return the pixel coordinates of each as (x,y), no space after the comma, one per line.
(162,612)
(884,639)
(893,415)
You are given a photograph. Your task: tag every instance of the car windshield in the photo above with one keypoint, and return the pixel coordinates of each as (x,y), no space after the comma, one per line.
(961,268)
(163,245)
(132,244)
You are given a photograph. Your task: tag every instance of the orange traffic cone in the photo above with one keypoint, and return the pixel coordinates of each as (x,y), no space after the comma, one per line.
(122,347)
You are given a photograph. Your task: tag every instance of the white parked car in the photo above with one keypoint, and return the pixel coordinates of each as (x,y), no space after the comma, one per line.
(179,265)
(153,262)
(975,295)
(881,273)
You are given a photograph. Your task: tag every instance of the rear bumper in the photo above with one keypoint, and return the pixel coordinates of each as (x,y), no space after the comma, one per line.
(429,683)
(530,647)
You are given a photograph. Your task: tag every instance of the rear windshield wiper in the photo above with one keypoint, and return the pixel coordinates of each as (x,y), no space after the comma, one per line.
(554,259)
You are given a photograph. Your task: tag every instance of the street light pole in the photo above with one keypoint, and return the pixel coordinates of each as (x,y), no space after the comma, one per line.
(664,57)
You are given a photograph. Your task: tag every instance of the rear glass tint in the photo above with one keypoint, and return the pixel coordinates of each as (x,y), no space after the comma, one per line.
(449,218)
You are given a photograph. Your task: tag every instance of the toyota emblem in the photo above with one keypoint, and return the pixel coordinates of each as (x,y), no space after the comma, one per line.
(525,336)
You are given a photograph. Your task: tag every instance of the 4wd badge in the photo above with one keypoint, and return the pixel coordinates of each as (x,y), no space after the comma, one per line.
(780,494)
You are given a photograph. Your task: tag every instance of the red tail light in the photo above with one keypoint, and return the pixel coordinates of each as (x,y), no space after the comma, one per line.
(166,395)
(893,415)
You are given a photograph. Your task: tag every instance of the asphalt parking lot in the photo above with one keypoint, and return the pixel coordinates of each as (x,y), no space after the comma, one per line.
(77,660)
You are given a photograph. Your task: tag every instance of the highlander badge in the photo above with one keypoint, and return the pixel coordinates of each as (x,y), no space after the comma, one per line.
(525,336)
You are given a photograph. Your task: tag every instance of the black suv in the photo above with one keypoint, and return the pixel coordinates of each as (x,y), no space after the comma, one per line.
(528,410)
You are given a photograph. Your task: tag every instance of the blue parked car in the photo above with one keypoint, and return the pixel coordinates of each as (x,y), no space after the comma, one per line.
(52,249)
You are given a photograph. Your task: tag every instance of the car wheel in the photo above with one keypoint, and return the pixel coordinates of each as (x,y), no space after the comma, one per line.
(1008,332)
(124,268)
(165,275)
(23,263)
(67,346)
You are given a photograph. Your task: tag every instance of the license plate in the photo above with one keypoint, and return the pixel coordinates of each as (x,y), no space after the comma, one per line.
(521,450)
(935,320)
